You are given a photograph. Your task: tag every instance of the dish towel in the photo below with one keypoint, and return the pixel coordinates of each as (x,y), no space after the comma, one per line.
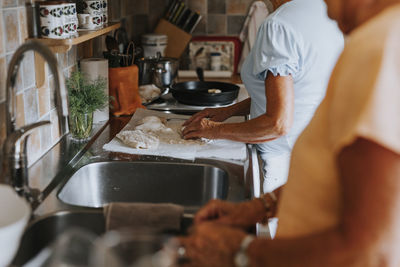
(143,216)
(257,14)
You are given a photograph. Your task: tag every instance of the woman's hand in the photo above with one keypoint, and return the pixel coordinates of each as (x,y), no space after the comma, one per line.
(243,215)
(211,245)
(201,128)
(213,114)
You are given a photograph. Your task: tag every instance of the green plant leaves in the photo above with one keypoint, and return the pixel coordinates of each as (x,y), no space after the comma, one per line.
(86,97)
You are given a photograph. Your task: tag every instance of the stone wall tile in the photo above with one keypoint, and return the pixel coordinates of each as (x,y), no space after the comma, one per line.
(2,123)
(9,3)
(23,28)
(3,78)
(28,70)
(2,35)
(20,116)
(216,24)
(216,7)
(198,5)
(235,24)
(44,100)
(10,20)
(31,105)
(238,6)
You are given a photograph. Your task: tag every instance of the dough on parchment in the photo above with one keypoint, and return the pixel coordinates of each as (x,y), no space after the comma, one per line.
(139,139)
(153,124)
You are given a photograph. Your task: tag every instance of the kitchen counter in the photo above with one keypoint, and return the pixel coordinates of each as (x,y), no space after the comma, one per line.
(53,171)
(92,151)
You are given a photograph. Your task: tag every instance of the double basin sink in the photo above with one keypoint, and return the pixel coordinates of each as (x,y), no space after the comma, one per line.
(97,184)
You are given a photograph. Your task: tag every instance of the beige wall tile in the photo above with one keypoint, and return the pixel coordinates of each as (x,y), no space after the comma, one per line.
(33,147)
(238,6)
(198,5)
(2,123)
(28,70)
(19,86)
(20,110)
(55,131)
(216,24)
(10,18)
(45,136)
(23,26)
(44,100)
(9,3)
(2,50)
(3,78)
(31,105)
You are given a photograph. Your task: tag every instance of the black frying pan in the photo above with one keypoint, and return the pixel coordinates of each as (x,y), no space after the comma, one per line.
(196,93)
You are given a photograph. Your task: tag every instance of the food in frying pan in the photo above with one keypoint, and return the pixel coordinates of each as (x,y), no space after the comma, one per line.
(214,91)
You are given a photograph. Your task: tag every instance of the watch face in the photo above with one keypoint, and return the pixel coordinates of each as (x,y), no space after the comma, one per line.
(241,260)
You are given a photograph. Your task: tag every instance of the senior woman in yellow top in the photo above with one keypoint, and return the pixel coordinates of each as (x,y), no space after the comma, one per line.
(341,205)
(286,74)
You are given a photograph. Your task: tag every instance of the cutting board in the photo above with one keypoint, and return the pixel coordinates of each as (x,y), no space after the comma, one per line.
(221,149)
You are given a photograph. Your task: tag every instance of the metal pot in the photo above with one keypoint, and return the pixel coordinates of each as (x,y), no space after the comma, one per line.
(159,71)
(146,67)
(165,72)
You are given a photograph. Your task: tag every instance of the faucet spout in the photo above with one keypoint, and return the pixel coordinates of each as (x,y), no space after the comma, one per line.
(15,169)
(60,90)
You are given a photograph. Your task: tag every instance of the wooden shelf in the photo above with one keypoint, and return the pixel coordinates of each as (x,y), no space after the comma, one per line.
(64,45)
(85,38)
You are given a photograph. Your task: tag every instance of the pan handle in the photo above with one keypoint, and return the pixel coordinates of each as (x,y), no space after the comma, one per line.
(200,74)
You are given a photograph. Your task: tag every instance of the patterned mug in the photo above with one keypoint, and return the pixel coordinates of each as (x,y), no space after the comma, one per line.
(54,33)
(70,22)
(52,20)
(90,22)
(93,7)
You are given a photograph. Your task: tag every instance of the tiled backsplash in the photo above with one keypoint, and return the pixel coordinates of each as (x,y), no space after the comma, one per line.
(33,104)
(220,17)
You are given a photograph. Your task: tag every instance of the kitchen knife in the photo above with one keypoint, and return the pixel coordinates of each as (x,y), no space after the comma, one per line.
(183,18)
(176,6)
(192,21)
(178,12)
(170,8)
(192,13)
(195,24)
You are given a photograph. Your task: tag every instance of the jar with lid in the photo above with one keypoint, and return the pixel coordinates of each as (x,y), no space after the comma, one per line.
(153,43)
(215,61)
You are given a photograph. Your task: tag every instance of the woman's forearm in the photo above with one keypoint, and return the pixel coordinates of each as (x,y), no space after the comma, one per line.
(258,130)
(328,249)
(240,109)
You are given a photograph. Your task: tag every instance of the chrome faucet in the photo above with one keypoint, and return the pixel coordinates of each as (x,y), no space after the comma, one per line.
(15,163)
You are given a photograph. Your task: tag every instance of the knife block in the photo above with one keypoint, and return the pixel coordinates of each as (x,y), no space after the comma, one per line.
(178,39)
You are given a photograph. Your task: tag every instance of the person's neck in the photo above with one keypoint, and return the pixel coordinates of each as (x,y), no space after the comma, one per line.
(278,3)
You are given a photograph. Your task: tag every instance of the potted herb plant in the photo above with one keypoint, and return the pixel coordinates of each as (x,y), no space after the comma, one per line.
(84,97)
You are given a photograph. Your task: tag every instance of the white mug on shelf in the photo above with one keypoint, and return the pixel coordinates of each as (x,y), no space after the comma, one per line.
(93,7)
(70,19)
(52,20)
(90,22)
(105,11)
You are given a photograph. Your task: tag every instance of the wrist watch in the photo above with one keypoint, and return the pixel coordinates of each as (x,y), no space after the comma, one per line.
(241,259)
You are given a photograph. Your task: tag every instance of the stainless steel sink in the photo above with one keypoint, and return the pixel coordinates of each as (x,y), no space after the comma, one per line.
(44,231)
(191,185)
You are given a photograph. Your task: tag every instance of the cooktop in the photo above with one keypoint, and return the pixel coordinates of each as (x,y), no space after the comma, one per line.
(168,103)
